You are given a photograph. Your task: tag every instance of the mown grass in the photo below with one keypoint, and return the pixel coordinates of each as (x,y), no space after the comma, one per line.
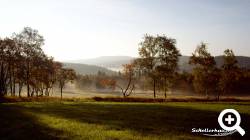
(114,120)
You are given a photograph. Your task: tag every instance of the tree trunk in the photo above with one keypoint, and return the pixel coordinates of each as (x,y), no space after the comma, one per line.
(14,87)
(206,93)
(47,91)
(218,96)
(165,87)
(32,92)
(154,88)
(28,85)
(10,85)
(165,94)
(61,92)
(20,89)
(28,90)
(128,85)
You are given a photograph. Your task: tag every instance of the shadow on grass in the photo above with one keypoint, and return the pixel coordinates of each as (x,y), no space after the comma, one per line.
(16,125)
(146,119)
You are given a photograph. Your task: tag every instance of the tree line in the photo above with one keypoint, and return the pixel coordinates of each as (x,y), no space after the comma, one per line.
(23,63)
(209,79)
(158,63)
(156,69)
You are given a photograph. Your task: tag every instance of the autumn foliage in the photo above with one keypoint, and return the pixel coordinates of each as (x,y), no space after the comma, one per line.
(24,64)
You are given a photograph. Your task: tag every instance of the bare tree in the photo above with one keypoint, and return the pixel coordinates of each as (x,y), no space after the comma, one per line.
(128,74)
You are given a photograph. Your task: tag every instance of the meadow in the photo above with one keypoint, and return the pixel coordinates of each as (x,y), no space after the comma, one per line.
(92,120)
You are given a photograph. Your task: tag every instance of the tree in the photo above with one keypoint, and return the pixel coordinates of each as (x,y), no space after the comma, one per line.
(229,72)
(168,59)
(148,58)
(3,68)
(128,74)
(158,59)
(65,75)
(30,41)
(205,73)
(23,62)
(9,53)
(20,74)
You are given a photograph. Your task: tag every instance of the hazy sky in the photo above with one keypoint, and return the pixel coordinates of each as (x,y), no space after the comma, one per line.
(75,29)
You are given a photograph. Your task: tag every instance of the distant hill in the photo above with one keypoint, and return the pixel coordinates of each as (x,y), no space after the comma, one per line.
(110,62)
(87,69)
(243,62)
(115,62)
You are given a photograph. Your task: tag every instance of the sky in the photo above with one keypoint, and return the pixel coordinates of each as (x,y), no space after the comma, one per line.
(81,29)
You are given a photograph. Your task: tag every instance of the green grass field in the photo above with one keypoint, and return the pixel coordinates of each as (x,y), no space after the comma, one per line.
(113,121)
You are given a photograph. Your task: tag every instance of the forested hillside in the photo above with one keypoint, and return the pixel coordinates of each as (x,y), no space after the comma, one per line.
(87,69)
